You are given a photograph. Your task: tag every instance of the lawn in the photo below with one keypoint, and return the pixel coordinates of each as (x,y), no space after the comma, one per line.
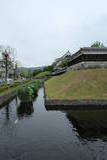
(42,74)
(81,84)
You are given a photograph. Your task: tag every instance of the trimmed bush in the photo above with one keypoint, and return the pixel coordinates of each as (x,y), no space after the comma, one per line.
(27,92)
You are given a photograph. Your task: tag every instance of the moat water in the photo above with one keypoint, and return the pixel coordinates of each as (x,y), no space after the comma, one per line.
(34,133)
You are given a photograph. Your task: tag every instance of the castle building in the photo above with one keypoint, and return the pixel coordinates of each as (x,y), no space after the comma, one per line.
(89,57)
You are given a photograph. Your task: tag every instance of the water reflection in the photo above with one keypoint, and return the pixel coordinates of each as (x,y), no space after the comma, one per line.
(25,110)
(7,112)
(51,135)
(89,124)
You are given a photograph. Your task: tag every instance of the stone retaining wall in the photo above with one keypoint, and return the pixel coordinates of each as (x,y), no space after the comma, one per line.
(75,104)
(6,98)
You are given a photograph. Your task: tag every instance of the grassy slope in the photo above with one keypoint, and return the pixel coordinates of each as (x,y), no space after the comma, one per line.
(82,84)
(42,74)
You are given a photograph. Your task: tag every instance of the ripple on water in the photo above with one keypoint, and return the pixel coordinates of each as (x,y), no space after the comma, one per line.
(35,133)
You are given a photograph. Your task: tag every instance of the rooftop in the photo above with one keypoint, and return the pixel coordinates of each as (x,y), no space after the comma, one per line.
(93,49)
(88,49)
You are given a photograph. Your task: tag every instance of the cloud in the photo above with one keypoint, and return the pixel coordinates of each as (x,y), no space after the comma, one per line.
(43,30)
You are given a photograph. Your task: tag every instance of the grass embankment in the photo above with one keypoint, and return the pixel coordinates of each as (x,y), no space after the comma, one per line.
(82,84)
(6,88)
(42,74)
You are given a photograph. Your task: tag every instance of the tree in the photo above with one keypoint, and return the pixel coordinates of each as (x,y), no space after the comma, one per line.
(36,71)
(7,53)
(16,72)
(98,44)
(48,68)
(24,74)
(30,74)
(64,63)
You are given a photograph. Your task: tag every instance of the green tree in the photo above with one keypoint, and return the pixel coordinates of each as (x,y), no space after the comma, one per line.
(48,68)
(24,74)
(98,44)
(30,74)
(35,72)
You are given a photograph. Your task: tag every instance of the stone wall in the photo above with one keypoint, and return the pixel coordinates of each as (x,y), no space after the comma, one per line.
(6,98)
(51,104)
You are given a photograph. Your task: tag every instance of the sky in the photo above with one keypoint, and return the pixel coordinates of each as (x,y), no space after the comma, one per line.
(43,30)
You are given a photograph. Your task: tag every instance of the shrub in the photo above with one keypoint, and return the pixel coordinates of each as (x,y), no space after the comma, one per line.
(27,92)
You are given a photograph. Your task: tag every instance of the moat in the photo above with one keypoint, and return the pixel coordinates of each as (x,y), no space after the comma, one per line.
(36,133)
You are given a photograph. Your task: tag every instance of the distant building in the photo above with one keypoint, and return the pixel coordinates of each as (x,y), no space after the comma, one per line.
(89,57)
(59,62)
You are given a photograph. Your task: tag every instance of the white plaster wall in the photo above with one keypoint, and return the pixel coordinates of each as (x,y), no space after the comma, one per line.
(86,65)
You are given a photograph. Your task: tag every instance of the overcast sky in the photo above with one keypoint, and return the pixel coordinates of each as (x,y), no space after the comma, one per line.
(43,30)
